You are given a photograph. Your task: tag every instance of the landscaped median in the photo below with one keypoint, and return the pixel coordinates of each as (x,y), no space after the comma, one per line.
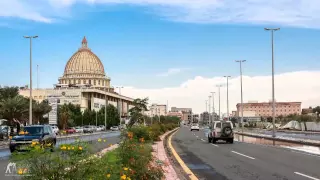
(131,159)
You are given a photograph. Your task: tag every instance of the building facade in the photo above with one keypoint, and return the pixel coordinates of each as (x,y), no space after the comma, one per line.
(175,109)
(264,109)
(176,114)
(83,83)
(157,110)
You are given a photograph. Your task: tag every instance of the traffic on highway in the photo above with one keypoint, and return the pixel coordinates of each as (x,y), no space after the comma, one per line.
(218,159)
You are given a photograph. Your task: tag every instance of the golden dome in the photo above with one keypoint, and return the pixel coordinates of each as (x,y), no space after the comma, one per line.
(84,61)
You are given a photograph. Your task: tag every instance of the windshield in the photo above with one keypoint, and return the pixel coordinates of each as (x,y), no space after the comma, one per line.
(33,130)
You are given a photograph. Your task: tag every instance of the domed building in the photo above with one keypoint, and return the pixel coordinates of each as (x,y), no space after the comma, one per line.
(84,82)
(85,68)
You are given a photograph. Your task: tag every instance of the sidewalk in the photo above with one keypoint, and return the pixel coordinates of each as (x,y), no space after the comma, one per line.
(160,153)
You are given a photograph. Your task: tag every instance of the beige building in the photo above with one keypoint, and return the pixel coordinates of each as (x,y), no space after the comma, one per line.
(264,109)
(85,83)
(156,110)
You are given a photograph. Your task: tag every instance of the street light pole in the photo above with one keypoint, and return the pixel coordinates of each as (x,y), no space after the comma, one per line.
(240,62)
(219,101)
(212,106)
(120,102)
(30,98)
(209,109)
(37,76)
(227,96)
(273,93)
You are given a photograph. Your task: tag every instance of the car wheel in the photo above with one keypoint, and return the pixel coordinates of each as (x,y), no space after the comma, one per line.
(209,140)
(230,141)
(214,140)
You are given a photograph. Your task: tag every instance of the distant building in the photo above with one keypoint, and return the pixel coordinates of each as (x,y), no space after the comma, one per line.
(204,118)
(176,114)
(157,110)
(175,109)
(264,109)
(307,111)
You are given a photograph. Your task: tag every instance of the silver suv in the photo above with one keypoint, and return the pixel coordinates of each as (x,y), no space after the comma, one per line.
(221,130)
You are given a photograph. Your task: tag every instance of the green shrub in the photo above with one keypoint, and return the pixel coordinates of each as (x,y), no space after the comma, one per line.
(139,132)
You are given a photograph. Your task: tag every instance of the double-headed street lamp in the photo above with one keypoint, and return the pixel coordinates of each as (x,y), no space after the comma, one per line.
(273,96)
(30,98)
(227,95)
(240,62)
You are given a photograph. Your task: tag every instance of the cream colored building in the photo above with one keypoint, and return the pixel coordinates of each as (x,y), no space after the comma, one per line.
(156,110)
(85,83)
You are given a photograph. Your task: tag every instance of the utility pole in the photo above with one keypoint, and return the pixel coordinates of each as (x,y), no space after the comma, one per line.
(213,110)
(120,103)
(209,110)
(273,93)
(240,62)
(219,86)
(37,76)
(105,107)
(227,96)
(30,98)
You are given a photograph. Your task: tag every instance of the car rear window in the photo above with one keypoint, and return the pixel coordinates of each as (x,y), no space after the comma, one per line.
(226,124)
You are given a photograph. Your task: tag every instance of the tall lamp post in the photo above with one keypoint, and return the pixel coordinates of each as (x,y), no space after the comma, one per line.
(212,106)
(227,95)
(30,98)
(219,86)
(120,101)
(209,109)
(240,62)
(273,99)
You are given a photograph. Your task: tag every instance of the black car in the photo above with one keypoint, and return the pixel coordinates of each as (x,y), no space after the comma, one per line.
(35,133)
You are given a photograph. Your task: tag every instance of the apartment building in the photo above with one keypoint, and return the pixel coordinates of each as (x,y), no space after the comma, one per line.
(264,109)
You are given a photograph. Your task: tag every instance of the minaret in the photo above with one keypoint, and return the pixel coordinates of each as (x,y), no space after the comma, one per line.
(84,42)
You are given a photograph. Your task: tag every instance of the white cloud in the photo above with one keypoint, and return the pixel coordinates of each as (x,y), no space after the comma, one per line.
(300,13)
(171,71)
(294,86)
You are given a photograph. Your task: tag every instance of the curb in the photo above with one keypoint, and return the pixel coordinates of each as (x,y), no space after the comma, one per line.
(177,157)
(280,139)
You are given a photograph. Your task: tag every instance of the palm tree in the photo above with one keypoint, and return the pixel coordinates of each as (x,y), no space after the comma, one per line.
(140,105)
(14,108)
(39,110)
(64,114)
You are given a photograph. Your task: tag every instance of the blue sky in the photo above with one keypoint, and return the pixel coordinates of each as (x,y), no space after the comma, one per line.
(154,44)
(136,44)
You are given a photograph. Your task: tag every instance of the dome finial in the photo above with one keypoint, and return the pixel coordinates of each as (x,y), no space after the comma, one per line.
(84,42)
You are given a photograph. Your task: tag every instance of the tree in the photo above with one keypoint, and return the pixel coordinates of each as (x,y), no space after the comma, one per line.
(8,92)
(39,110)
(64,115)
(140,105)
(113,116)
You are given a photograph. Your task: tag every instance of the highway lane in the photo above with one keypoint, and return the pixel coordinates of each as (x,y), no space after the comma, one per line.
(242,161)
(112,138)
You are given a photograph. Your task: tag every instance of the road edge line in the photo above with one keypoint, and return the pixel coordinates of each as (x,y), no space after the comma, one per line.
(180,161)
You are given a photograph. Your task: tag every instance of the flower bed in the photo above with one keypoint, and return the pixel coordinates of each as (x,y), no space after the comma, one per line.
(131,160)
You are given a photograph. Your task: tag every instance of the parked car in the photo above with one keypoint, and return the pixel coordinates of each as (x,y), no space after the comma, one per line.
(194,127)
(70,130)
(87,129)
(221,130)
(114,128)
(102,127)
(79,129)
(34,133)
(55,129)
(99,128)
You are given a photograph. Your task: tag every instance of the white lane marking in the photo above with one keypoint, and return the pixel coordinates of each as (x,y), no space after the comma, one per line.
(202,140)
(215,145)
(243,155)
(197,136)
(304,175)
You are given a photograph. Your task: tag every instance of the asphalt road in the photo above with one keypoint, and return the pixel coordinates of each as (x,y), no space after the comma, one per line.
(112,138)
(242,161)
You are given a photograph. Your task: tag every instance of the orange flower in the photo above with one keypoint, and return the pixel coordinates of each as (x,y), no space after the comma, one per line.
(130,135)
(141,140)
